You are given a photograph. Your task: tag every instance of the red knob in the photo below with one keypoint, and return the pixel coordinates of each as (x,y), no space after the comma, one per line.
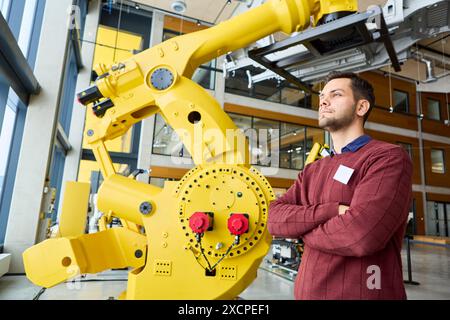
(199,222)
(238,224)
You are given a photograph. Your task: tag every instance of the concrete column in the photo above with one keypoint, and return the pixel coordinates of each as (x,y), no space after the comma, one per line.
(73,157)
(147,126)
(37,142)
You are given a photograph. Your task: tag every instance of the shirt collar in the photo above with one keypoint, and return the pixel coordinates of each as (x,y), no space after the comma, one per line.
(356,144)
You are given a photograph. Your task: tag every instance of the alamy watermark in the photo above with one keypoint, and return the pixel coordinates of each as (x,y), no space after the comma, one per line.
(374,280)
(235,146)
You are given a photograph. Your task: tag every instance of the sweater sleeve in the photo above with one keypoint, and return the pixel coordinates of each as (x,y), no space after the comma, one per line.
(289,218)
(378,208)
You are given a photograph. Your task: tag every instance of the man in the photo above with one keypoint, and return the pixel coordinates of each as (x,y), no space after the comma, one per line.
(350,208)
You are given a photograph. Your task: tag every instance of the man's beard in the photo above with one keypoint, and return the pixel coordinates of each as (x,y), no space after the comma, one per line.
(333,124)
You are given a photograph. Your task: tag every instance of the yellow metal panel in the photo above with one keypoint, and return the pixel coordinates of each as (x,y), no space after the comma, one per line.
(74,209)
(56,260)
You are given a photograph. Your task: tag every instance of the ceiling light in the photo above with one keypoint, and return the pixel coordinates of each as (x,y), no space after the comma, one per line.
(179,6)
(136,6)
(228,1)
(199,23)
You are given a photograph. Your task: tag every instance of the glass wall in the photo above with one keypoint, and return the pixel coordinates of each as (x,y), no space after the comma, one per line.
(438,219)
(292,146)
(266,151)
(237,82)
(24,19)
(5,141)
(121,34)
(272,143)
(166,141)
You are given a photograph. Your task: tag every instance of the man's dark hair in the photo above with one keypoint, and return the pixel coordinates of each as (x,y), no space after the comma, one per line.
(361,88)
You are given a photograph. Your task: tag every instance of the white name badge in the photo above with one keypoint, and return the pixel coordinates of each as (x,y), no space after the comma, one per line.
(343,174)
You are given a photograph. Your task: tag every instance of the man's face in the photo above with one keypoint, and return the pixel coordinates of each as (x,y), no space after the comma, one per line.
(337,105)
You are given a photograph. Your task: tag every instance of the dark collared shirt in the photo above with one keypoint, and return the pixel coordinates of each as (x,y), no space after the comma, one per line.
(355,145)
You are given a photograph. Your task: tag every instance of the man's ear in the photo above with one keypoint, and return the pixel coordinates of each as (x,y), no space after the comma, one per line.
(362,107)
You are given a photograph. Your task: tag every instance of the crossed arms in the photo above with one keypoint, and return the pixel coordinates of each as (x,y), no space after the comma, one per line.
(377,210)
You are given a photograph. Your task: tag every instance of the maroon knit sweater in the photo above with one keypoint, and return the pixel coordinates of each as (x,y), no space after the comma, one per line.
(342,250)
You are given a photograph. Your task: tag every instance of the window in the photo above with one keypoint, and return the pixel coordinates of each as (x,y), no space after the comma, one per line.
(292,146)
(5,141)
(438,219)
(270,89)
(25,21)
(401,101)
(205,75)
(437,161)
(4,7)
(433,110)
(166,141)
(272,143)
(407,147)
(242,122)
(123,149)
(268,135)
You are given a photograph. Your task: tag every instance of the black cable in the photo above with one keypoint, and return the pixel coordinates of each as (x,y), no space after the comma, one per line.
(38,295)
(198,261)
(103,45)
(218,16)
(203,254)
(224,256)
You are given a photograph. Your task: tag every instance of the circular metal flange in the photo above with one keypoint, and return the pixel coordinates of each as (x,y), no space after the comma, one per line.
(223,190)
(145,207)
(161,78)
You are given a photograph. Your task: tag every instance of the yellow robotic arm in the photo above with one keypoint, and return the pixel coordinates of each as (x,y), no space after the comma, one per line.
(205,235)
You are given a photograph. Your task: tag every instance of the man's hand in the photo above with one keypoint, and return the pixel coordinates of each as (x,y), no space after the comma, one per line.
(342,209)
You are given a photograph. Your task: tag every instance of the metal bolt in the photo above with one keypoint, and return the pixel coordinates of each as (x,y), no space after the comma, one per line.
(219,245)
(90,133)
(164,244)
(165,234)
(145,207)
(138,253)
(239,194)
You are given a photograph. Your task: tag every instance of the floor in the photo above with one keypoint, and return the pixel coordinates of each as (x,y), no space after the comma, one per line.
(430,267)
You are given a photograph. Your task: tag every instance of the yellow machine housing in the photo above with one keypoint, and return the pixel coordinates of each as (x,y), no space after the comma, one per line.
(170,260)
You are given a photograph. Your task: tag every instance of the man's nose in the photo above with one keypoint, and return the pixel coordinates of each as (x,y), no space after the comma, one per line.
(323,102)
